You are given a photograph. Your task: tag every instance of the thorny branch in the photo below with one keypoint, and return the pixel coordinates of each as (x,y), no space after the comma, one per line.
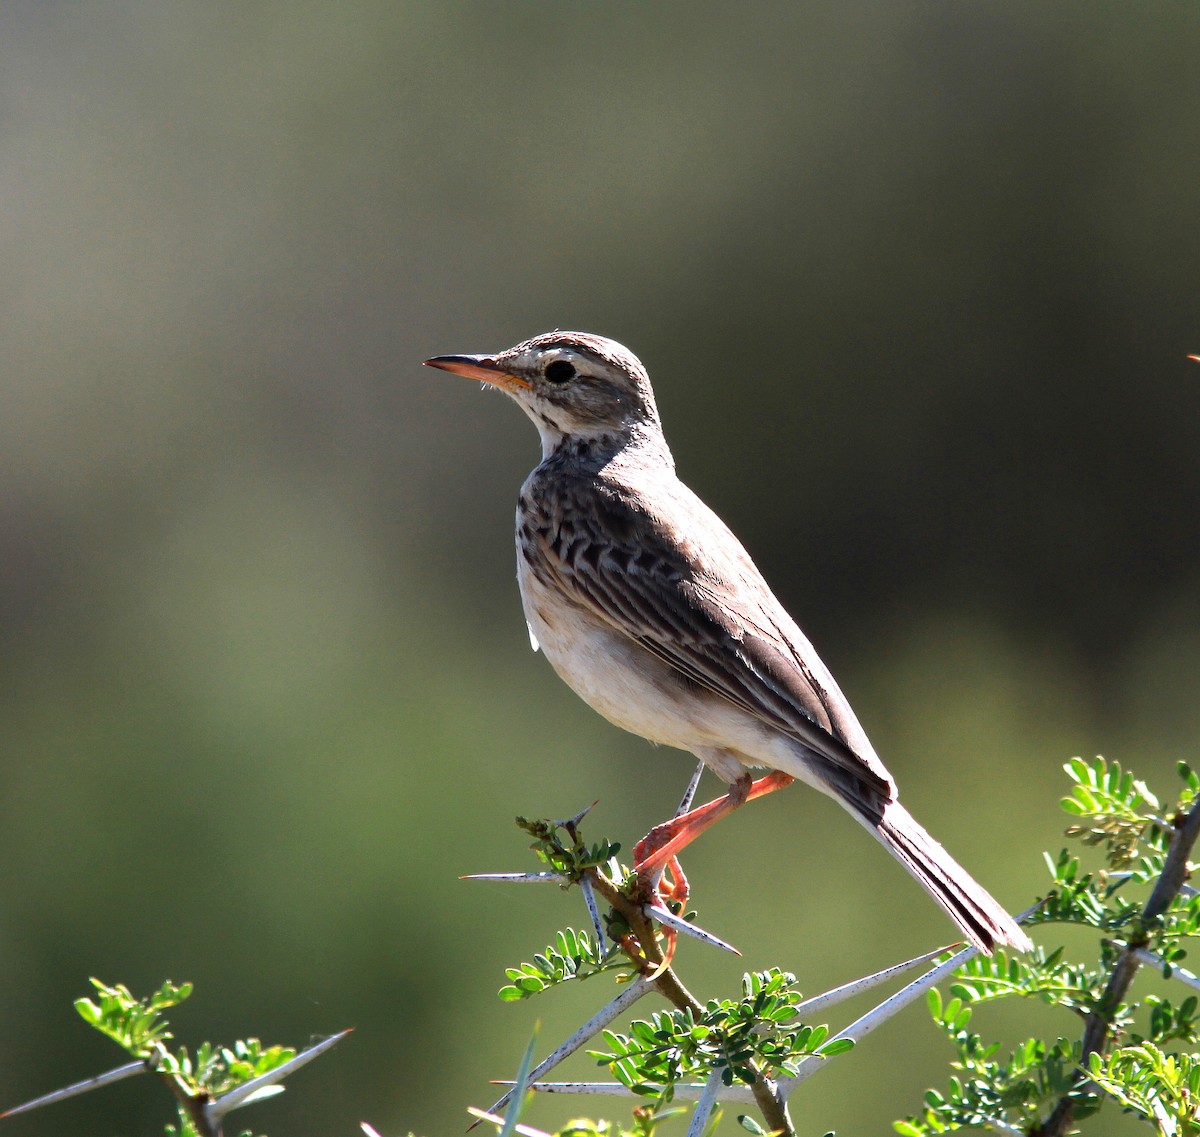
(766,1095)
(1098,1032)
(648,942)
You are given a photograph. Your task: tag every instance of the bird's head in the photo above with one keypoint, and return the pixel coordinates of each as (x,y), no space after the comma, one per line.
(572,384)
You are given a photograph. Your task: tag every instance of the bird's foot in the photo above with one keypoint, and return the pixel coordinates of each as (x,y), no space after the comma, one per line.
(659,877)
(671,892)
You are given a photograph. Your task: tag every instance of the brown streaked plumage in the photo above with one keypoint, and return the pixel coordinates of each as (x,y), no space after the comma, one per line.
(651,609)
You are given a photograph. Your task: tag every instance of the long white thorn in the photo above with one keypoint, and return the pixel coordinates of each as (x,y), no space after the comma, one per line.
(664,916)
(636,988)
(875,1017)
(704,1107)
(689,795)
(76,1088)
(878,1015)
(858,986)
(519,877)
(217,1109)
(494,1119)
(589,897)
(1157,961)
(683,1091)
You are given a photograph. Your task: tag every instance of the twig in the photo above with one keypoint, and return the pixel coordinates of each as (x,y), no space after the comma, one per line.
(771,1103)
(1175,867)
(189,1103)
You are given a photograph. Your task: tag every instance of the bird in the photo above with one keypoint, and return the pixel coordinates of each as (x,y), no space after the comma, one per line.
(650,608)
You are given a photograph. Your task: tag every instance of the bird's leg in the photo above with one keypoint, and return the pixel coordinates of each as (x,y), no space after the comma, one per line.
(676,890)
(663,842)
(671,888)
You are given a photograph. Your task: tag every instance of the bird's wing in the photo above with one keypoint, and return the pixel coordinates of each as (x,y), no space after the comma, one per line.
(668,574)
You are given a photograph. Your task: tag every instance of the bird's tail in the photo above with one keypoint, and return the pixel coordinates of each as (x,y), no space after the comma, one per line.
(969,905)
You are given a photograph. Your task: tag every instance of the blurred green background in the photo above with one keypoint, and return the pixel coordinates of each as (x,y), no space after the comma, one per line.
(916,283)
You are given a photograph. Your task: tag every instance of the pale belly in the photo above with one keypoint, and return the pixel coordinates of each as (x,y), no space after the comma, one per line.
(640,693)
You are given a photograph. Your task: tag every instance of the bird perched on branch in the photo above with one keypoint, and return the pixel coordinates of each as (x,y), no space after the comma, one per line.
(653,612)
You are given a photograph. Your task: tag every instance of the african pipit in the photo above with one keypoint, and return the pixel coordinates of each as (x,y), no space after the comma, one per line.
(649,607)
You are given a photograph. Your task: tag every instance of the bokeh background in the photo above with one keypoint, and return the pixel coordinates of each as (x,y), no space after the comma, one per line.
(916,283)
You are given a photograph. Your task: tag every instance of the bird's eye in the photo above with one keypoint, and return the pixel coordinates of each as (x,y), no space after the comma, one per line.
(560,371)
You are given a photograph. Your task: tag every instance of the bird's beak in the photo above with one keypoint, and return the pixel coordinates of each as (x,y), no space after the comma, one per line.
(482,367)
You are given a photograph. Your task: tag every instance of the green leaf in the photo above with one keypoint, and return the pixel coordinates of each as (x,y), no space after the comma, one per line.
(88,1011)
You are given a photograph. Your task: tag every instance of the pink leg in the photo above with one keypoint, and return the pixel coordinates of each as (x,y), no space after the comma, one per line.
(664,841)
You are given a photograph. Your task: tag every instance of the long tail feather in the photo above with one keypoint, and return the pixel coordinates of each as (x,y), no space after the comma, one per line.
(968,904)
